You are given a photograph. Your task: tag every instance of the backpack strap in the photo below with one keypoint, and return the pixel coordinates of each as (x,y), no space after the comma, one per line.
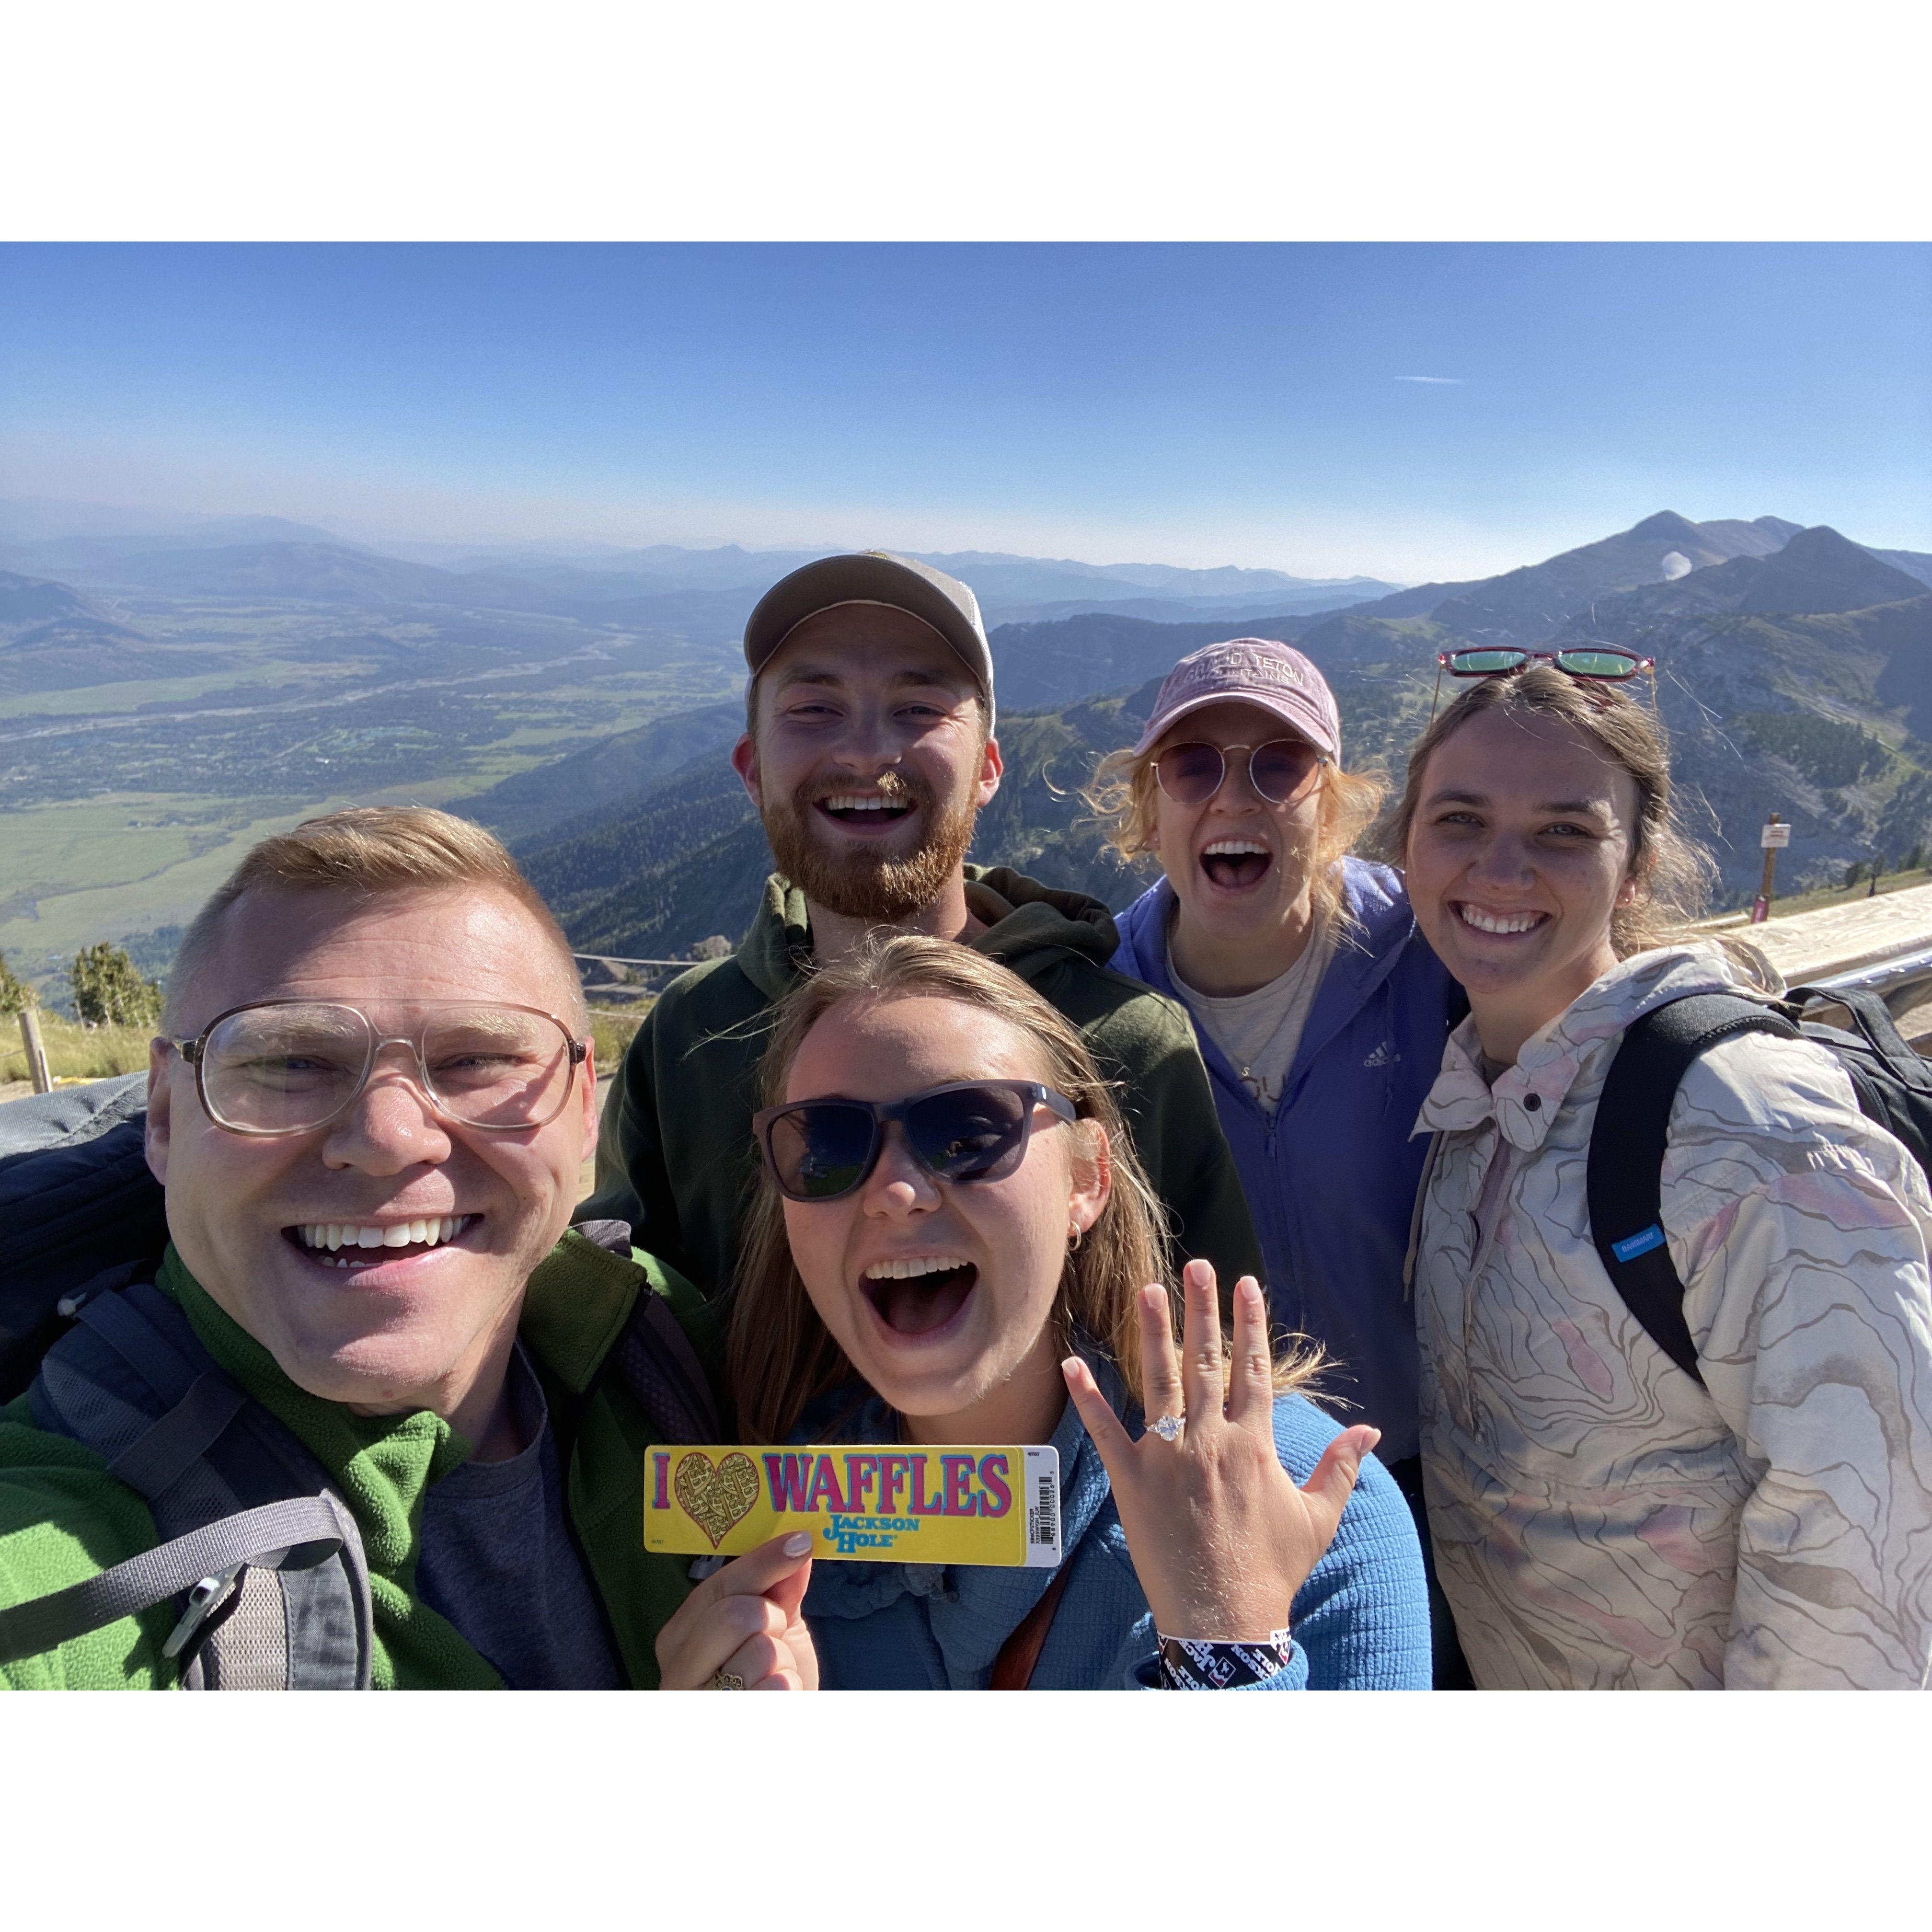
(1627,1141)
(290,1611)
(298,1533)
(657,1359)
(1873,1018)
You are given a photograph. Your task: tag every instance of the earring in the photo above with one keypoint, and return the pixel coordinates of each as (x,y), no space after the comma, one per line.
(1074,1232)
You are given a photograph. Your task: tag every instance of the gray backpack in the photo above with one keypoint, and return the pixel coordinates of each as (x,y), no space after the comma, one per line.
(252,1530)
(258,1548)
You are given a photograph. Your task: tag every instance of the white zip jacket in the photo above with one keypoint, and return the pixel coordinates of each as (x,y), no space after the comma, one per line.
(1600,1521)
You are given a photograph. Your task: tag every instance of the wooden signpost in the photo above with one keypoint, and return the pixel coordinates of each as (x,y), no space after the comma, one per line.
(37,1053)
(1775,836)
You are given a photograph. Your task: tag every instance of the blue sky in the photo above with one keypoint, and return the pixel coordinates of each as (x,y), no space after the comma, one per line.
(1194,404)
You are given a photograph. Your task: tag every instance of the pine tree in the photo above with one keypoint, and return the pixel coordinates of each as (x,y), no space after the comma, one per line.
(15,993)
(110,989)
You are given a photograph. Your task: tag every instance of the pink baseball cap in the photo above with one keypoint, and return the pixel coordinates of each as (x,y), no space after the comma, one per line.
(1250,670)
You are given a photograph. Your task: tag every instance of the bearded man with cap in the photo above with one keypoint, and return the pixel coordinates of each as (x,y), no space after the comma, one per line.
(1321,1011)
(868,749)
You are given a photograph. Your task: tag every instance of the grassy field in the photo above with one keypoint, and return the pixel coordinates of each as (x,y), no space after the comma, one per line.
(74,1052)
(154,874)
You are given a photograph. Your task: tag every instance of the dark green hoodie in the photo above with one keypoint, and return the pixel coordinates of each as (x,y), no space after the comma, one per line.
(675,1153)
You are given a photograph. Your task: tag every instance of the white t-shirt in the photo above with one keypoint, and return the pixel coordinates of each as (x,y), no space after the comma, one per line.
(1260,1031)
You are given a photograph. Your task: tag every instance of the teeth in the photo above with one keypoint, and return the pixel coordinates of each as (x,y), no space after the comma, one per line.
(1497,922)
(427,1233)
(911,1269)
(854,801)
(1234,847)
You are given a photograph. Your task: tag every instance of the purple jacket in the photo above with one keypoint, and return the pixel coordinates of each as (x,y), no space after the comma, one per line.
(1331,1179)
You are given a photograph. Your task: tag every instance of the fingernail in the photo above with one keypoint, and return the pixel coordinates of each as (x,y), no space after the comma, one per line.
(799,1542)
(1248,1288)
(1153,1296)
(1371,1436)
(1067,1367)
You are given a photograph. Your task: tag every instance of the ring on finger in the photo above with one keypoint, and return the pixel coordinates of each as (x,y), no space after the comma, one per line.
(1167,1427)
(725,1680)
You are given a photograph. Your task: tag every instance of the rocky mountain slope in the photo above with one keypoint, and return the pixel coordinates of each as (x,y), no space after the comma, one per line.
(1794,674)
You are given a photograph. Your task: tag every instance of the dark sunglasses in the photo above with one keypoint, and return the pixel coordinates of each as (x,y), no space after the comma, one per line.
(1191,774)
(1604,662)
(970,1130)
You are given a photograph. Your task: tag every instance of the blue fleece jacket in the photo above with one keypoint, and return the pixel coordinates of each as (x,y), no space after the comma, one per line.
(1361,1622)
(1331,1177)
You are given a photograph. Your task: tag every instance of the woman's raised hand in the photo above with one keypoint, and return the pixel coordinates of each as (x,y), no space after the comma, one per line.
(743,1623)
(1221,1537)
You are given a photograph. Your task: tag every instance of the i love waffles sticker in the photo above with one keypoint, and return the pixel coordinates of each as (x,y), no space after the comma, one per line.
(872,1502)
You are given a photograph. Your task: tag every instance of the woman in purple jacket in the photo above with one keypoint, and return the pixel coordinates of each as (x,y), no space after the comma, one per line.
(1322,1012)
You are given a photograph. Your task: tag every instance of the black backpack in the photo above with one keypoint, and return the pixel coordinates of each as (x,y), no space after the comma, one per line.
(1893,1084)
(258,1551)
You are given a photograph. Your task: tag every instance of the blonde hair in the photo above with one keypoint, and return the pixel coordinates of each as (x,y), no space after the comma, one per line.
(779,1356)
(1122,795)
(369,850)
(1673,871)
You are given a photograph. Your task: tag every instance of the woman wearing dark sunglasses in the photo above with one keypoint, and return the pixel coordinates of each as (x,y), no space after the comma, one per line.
(1751,1508)
(953,1242)
(1321,1013)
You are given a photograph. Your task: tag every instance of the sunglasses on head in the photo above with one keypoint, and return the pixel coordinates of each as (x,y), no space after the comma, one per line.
(1603,662)
(1280,771)
(967,1130)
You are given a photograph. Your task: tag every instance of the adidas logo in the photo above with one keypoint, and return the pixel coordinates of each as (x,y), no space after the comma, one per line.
(1381,1057)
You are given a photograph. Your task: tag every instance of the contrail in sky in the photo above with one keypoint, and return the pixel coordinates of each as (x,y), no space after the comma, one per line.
(1457,379)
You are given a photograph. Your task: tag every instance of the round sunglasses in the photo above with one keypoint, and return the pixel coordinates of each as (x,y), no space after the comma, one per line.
(967,1130)
(1606,663)
(1280,771)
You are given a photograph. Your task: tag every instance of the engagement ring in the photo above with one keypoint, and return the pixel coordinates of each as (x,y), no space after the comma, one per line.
(1167,1428)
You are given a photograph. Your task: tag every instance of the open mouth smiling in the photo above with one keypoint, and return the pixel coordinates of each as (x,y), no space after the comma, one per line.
(1233,864)
(346,1244)
(1497,924)
(921,1295)
(864,811)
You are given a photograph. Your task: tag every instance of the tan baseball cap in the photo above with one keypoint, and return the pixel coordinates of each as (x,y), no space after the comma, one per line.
(1255,671)
(873,577)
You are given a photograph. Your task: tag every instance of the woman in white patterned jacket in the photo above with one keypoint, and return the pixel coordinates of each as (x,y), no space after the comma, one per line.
(1601,1520)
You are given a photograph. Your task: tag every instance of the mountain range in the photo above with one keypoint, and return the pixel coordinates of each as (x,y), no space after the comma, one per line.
(1795,673)
(701,595)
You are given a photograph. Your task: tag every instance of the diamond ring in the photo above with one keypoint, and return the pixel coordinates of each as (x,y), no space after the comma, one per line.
(1167,1428)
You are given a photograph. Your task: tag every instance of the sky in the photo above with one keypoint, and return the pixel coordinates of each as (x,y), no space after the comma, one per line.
(1396,410)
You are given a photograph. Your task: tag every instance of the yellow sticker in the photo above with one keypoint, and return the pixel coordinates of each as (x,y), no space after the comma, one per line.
(867,1501)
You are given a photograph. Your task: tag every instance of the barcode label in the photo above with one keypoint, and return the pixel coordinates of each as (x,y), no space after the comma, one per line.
(1042,1492)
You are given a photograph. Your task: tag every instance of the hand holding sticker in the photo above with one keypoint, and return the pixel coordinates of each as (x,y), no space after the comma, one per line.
(744,1625)
(1220,1535)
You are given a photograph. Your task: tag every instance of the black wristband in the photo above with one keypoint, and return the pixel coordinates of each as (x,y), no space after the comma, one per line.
(1206,1664)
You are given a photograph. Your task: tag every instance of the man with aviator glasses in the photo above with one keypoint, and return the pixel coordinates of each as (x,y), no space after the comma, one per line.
(368,1114)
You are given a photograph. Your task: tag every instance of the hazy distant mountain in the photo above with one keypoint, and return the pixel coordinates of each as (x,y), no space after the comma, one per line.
(1818,570)
(568,791)
(1230,612)
(29,600)
(40,520)
(308,572)
(704,595)
(1795,673)
(1913,562)
(53,639)
(1522,606)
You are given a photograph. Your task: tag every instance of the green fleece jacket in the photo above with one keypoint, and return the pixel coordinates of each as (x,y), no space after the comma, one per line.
(675,1155)
(63,1519)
